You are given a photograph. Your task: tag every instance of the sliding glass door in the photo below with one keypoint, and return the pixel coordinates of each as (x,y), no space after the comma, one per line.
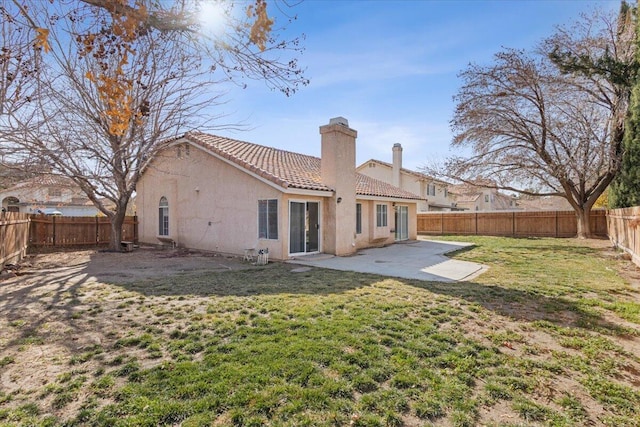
(304,227)
(402,222)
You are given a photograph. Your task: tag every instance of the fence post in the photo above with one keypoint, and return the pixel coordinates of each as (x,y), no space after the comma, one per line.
(476,223)
(513,224)
(635,232)
(97,231)
(135,229)
(3,231)
(556,235)
(53,218)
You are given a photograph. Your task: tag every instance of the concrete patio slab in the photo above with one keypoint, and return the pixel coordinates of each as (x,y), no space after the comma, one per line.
(416,259)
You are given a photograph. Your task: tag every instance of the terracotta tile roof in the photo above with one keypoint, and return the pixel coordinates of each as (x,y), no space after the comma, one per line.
(467,198)
(367,186)
(543,203)
(44,180)
(285,168)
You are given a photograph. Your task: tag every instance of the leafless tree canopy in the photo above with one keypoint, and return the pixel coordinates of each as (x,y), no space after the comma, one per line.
(96,100)
(543,122)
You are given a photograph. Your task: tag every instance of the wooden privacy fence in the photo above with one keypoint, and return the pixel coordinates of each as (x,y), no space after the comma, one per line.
(624,230)
(512,223)
(14,237)
(69,231)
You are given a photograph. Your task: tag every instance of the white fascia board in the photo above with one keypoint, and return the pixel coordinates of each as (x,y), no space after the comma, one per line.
(386,199)
(320,193)
(306,192)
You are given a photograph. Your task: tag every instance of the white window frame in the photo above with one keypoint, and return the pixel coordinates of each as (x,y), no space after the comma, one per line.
(382,214)
(268,220)
(288,230)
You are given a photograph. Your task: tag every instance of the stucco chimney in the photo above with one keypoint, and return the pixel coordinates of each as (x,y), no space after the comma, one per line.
(397,164)
(338,172)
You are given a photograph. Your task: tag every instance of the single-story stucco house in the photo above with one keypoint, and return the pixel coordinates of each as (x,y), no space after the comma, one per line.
(213,193)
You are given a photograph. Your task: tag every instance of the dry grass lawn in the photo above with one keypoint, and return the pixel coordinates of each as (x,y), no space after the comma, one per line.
(550,335)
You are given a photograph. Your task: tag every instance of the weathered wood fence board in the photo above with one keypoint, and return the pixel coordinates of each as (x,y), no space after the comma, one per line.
(514,223)
(624,230)
(62,231)
(14,237)
(20,232)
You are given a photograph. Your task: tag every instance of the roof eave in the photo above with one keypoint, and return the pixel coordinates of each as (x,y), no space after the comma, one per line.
(307,192)
(386,198)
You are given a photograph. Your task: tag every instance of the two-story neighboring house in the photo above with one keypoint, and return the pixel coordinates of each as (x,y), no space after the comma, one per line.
(434,193)
(48,194)
(477,198)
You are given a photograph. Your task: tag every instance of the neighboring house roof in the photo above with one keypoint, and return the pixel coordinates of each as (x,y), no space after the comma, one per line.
(46,180)
(419,175)
(467,194)
(467,198)
(544,203)
(367,186)
(287,169)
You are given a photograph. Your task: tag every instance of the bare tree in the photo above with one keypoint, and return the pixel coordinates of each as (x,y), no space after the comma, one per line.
(18,75)
(538,125)
(113,88)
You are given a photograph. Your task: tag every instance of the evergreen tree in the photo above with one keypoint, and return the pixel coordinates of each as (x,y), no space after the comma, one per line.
(625,189)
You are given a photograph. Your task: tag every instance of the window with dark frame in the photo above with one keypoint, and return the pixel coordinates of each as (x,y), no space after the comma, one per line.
(163,217)
(55,192)
(358,218)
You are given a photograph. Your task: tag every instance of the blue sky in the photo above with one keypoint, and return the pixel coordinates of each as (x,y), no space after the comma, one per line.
(390,68)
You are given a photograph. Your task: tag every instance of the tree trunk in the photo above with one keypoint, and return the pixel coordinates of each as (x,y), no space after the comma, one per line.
(583,215)
(117,220)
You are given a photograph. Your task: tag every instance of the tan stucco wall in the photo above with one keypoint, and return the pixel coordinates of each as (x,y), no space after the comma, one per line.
(373,236)
(362,239)
(413,221)
(339,173)
(212,205)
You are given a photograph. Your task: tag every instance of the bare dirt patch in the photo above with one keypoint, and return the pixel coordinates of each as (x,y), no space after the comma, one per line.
(55,307)
(143,263)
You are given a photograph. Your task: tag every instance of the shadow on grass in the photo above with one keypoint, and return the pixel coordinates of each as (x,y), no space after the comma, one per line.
(272,279)
(277,279)
(526,306)
(42,298)
(34,301)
